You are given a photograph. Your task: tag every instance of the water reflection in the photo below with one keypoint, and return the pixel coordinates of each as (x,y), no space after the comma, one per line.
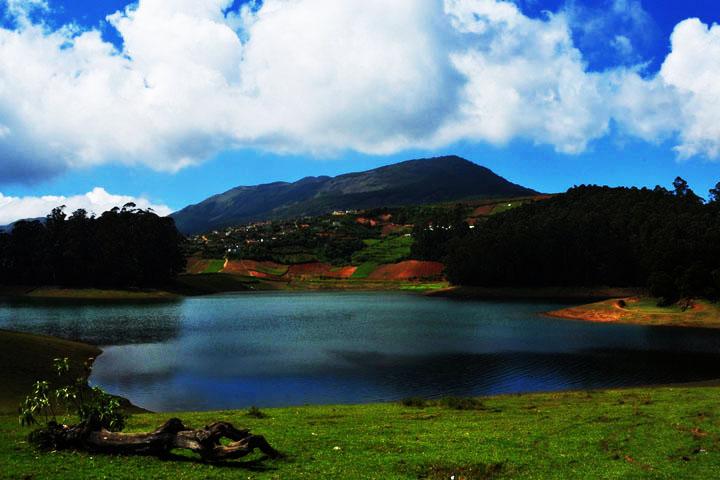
(288,349)
(95,322)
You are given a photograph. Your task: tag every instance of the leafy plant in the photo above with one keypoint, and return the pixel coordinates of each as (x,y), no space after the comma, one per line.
(93,407)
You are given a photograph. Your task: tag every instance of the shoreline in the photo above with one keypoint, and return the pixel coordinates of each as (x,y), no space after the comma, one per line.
(27,358)
(642,311)
(560,294)
(210,284)
(79,352)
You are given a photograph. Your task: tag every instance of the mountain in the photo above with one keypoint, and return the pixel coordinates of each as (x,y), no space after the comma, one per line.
(413,182)
(9,227)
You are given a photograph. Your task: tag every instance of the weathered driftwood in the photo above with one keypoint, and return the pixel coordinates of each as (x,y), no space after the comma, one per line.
(173,434)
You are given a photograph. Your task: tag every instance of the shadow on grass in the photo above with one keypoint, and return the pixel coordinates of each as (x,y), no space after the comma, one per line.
(261,464)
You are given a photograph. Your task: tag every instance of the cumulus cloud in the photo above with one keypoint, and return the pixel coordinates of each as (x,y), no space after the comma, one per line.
(320,76)
(693,68)
(96,201)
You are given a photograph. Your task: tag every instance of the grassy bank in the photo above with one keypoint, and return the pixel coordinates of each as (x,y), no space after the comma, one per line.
(639,433)
(644,311)
(26,358)
(212,283)
(536,293)
(100,294)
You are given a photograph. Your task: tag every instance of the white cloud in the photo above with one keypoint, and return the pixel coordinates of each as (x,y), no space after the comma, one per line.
(524,79)
(693,68)
(96,201)
(322,76)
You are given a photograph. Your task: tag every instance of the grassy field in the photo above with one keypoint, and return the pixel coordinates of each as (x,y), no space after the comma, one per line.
(214,266)
(644,311)
(387,250)
(364,269)
(641,433)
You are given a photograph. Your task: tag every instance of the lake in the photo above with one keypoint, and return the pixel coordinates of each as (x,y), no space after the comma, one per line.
(279,349)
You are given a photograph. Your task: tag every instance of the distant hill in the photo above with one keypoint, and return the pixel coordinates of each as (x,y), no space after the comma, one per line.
(9,227)
(413,182)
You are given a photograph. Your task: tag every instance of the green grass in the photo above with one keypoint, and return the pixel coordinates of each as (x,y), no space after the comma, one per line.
(26,358)
(388,250)
(650,305)
(423,286)
(641,433)
(214,266)
(363,284)
(364,269)
(505,206)
(278,271)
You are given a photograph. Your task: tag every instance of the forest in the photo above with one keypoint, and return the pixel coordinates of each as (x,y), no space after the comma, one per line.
(123,247)
(666,240)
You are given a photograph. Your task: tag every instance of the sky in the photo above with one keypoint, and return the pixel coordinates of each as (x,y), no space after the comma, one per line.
(166,102)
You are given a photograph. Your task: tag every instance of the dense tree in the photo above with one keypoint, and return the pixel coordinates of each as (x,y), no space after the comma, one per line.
(715,193)
(594,236)
(125,247)
(434,231)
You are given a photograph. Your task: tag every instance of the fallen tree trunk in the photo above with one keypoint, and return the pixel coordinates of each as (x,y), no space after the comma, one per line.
(173,434)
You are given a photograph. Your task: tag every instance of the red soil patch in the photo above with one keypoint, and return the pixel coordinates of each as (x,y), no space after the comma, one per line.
(366,221)
(314,269)
(253,268)
(410,269)
(317,269)
(342,272)
(196,265)
(390,228)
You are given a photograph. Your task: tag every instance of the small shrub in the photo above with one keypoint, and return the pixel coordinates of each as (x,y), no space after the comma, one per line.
(462,403)
(255,412)
(93,407)
(416,402)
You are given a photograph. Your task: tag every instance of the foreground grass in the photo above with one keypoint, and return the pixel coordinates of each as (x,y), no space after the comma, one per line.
(640,433)
(644,311)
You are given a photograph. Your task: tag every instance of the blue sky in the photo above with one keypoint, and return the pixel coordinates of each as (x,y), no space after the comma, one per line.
(632,110)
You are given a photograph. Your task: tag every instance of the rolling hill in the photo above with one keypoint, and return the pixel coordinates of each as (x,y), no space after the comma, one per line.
(412,182)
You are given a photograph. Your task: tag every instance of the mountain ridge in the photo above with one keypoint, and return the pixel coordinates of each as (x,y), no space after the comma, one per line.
(411,182)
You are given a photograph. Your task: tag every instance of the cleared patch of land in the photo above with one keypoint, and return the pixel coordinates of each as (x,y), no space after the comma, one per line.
(26,358)
(638,433)
(644,311)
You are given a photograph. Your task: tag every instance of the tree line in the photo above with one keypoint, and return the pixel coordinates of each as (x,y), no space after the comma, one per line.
(666,240)
(123,247)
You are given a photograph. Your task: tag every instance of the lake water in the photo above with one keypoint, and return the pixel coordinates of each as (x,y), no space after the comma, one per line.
(277,349)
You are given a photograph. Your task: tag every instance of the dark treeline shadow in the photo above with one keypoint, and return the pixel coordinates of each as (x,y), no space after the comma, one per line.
(668,241)
(124,248)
